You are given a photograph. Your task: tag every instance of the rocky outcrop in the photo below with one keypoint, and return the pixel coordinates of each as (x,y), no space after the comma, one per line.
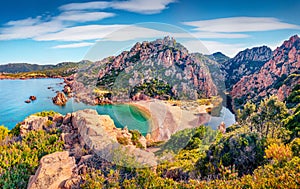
(99,134)
(60,99)
(86,135)
(53,171)
(218,57)
(67,89)
(164,60)
(277,76)
(222,127)
(35,123)
(32,98)
(102,101)
(245,63)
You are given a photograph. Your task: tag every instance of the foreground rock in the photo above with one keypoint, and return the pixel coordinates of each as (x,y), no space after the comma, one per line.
(99,133)
(35,123)
(53,171)
(60,99)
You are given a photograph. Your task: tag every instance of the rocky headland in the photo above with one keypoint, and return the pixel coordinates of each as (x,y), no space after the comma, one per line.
(86,135)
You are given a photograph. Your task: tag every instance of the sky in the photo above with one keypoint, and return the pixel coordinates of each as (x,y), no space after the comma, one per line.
(53,31)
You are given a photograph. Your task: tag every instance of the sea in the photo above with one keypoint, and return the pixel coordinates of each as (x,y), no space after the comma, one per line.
(13,108)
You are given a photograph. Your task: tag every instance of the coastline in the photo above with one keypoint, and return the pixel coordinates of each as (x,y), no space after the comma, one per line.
(166,119)
(4,77)
(163,117)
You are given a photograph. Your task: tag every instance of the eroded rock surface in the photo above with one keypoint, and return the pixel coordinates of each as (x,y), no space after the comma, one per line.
(53,171)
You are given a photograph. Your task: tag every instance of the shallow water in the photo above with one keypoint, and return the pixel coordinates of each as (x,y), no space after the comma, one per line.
(13,109)
(226,116)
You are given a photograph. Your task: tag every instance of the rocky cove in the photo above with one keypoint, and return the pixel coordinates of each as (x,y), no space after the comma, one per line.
(14,110)
(154,116)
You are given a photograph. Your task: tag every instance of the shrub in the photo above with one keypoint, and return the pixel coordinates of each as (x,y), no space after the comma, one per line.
(19,160)
(16,130)
(244,151)
(295,147)
(123,140)
(278,152)
(3,133)
(94,179)
(45,113)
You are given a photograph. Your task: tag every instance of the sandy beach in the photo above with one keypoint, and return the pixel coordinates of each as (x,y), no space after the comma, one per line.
(166,119)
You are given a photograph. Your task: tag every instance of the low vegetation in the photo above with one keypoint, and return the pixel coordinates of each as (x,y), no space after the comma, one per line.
(19,157)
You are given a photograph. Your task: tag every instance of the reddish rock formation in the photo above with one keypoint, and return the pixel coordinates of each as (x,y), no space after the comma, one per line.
(67,89)
(102,101)
(32,98)
(245,63)
(275,77)
(165,59)
(222,128)
(59,99)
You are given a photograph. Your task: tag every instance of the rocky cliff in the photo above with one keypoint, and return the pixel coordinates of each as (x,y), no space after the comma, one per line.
(86,135)
(245,63)
(276,76)
(183,75)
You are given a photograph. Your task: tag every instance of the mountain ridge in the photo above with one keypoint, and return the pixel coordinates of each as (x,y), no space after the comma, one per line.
(276,76)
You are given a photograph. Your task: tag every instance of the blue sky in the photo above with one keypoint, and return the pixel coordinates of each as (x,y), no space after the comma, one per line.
(52,31)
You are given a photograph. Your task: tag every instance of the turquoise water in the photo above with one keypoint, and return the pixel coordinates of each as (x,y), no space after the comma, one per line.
(13,109)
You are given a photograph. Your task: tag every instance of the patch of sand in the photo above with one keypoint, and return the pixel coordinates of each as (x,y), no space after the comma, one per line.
(166,119)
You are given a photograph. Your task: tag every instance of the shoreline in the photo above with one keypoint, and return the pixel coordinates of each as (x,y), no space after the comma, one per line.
(28,78)
(166,119)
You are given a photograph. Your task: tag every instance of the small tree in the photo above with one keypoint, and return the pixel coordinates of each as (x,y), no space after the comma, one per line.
(267,120)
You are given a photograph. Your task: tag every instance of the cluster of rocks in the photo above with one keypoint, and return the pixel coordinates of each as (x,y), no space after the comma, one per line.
(102,101)
(31,98)
(86,135)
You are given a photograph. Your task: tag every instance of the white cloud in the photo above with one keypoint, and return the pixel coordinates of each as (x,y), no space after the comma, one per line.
(24,22)
(86,6)
(27,28)
(209,47)
(32,28)
(240,24)
(73,45)
(124,33)
(138,6)
(80,33)
(80,16)
(207,35)
(142,6)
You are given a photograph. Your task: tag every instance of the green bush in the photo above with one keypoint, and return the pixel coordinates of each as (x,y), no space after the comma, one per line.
(196,138)
(46,113)
(295,146)
(244,151)
(16,130)
(3,133)
(19,160)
